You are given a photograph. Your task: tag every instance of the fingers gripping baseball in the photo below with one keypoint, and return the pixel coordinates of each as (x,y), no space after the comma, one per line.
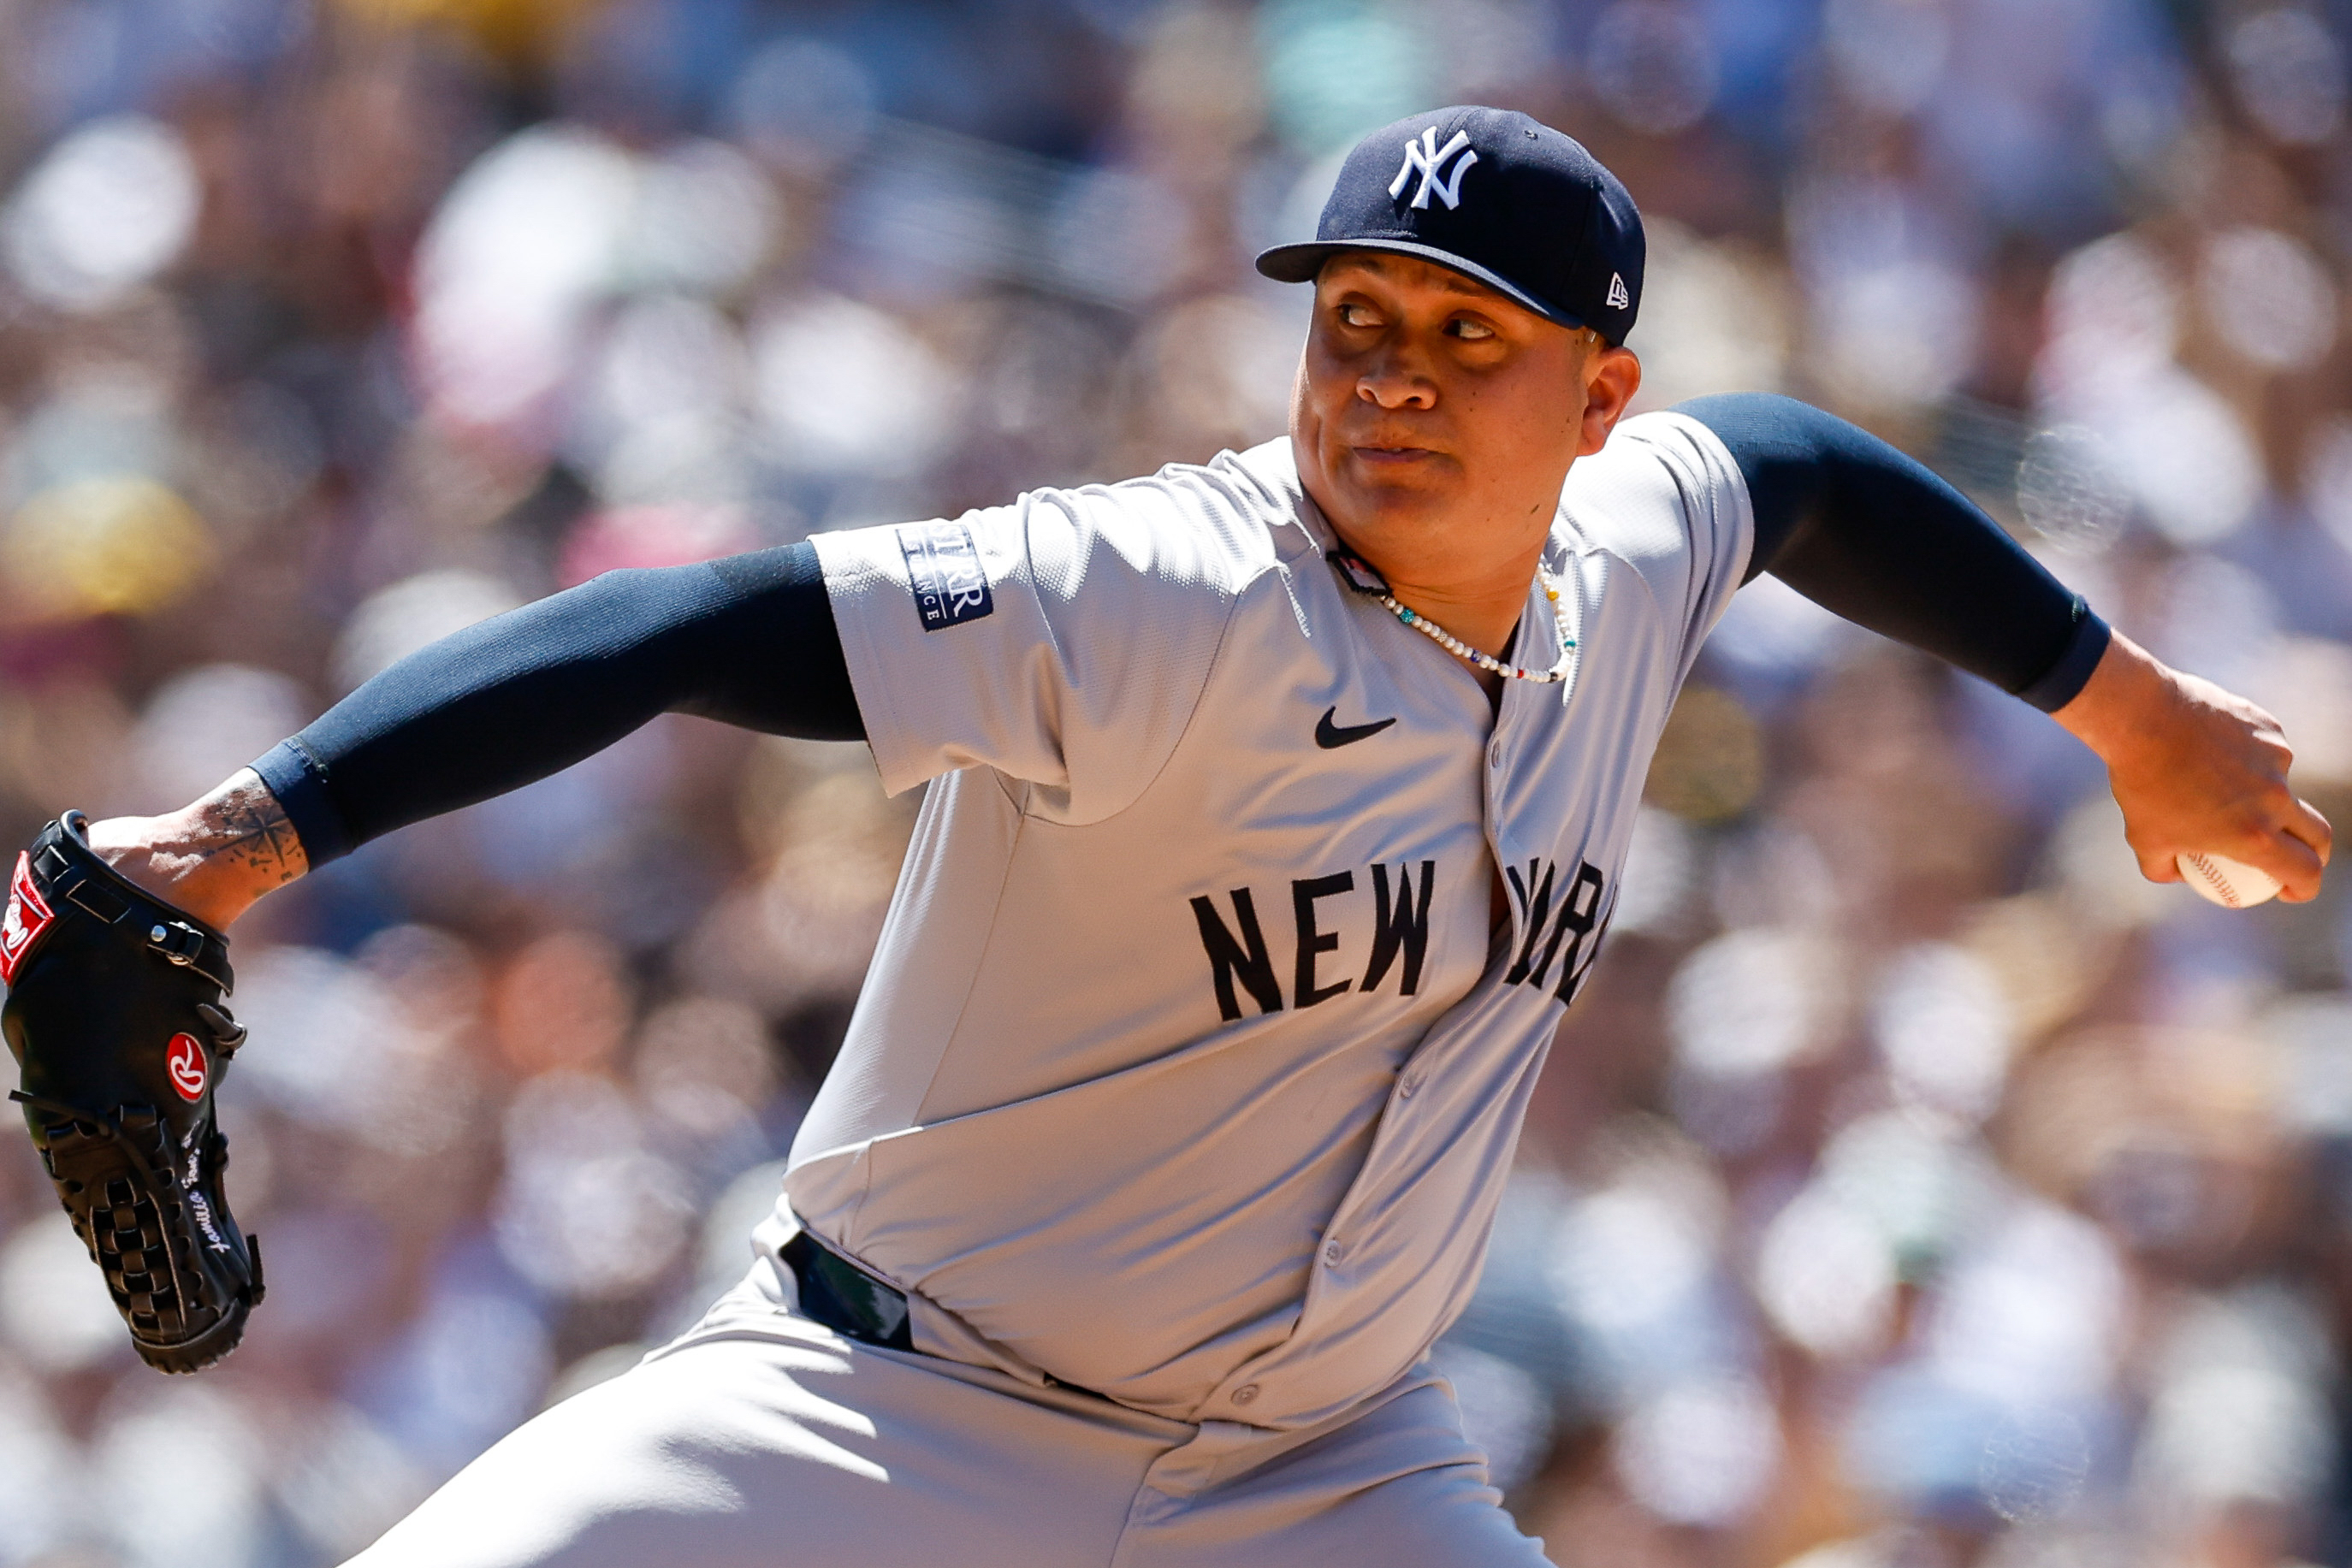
(2215,782)
(2198,769)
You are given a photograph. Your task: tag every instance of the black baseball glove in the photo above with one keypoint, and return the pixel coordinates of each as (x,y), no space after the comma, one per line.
(115,1017)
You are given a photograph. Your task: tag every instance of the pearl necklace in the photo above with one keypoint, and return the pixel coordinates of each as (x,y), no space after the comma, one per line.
(1461,650)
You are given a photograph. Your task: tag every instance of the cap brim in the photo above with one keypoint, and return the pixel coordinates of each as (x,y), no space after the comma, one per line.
(1300,263)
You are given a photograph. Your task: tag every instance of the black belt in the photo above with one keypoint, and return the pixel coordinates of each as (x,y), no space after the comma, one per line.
(844,1297)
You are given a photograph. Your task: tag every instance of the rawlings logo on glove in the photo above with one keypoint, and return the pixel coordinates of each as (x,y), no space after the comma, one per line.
(184,1063)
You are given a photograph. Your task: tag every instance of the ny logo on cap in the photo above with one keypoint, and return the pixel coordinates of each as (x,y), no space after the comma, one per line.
(1425,155)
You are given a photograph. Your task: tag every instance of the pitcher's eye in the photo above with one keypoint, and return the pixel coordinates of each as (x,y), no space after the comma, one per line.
(1352,314)
(1469,329)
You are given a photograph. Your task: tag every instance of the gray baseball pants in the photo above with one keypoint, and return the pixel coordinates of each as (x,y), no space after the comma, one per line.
(760,1439)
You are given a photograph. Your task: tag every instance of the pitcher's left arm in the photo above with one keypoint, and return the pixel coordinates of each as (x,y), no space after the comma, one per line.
(1863,530)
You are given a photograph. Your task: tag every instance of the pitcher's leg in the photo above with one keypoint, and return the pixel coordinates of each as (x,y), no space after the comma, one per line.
(755,1451)
(1399,1486)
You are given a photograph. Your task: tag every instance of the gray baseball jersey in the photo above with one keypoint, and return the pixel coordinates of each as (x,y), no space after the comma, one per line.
(1191,1063)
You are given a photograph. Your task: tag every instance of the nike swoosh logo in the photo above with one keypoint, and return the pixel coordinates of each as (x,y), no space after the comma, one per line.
(1331,736)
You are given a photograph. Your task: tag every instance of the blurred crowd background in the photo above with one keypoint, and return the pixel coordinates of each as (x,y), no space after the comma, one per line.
(1913,1188)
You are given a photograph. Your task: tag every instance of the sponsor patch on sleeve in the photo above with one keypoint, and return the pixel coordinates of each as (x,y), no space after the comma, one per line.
(28,916)
(943,568)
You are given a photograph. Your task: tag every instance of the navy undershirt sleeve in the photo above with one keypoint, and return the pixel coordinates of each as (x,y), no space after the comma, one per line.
(748,639)
(1871,534)
(1841,516)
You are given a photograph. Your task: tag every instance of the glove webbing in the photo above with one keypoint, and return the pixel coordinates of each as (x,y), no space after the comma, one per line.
(166,1181)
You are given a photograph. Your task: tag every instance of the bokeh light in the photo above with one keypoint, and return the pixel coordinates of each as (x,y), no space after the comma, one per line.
(110,208)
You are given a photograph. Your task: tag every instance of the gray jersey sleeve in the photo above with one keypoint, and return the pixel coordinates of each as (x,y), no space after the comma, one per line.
(1063,641)
(1666,496)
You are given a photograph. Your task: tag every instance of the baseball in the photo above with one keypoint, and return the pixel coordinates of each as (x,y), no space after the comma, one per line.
(2233,884)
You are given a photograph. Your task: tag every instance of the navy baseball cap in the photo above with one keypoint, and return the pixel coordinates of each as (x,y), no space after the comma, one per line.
(1496,196)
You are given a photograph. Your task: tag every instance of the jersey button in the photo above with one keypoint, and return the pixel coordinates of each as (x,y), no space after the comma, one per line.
(1245,1393)
(1408,1088)
(1333,1252)
(1495,755)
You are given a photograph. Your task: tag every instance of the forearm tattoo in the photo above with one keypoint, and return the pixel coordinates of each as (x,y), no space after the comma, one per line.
(242,831)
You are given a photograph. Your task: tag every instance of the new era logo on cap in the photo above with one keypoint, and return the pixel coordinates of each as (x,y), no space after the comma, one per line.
(1496,196)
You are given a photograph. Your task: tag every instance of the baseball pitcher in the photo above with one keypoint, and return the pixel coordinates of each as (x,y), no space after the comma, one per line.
(1276,813)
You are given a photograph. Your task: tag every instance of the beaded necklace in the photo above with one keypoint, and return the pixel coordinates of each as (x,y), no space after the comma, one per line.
(1360,576)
